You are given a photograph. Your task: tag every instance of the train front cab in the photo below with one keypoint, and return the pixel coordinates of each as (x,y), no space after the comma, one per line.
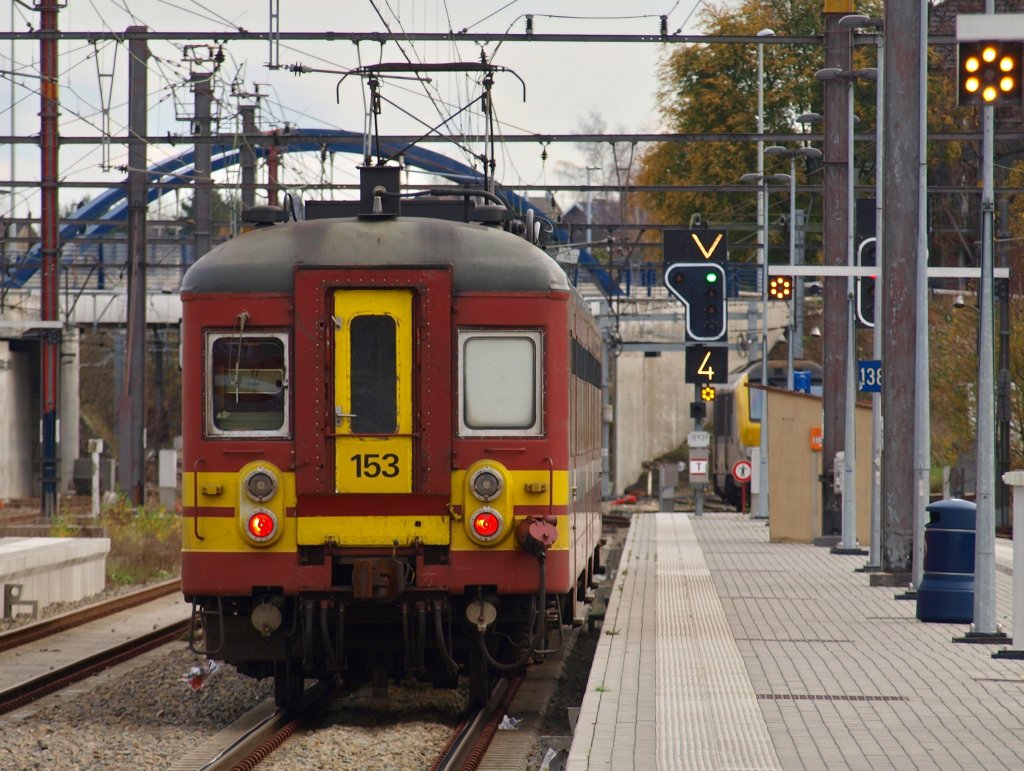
(350,507)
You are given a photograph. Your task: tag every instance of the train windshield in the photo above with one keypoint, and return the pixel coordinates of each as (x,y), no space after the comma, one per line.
(246,384)
(500,383)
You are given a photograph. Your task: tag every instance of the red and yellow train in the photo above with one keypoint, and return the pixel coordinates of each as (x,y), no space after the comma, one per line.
(391,445)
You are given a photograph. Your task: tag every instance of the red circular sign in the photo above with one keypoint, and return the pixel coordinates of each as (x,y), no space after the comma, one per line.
(741,471)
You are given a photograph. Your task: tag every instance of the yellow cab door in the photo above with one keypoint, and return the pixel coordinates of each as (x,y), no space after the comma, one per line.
(373,390)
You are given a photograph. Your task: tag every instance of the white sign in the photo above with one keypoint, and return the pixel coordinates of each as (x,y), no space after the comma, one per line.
(742,471)
(698,466)
(698,439)
(990,26)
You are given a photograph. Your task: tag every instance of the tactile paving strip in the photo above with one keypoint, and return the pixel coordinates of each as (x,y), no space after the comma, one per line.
(708,715)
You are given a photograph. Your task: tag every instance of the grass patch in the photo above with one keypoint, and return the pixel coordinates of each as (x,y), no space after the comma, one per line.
(145,541)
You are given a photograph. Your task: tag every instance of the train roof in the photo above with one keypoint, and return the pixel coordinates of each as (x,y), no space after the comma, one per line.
(482,258)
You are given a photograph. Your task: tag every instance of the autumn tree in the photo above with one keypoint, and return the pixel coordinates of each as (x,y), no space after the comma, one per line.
(712,89)
(709,88)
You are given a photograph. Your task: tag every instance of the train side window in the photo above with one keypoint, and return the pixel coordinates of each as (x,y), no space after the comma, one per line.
(756,396)
(500,383)
(247,384)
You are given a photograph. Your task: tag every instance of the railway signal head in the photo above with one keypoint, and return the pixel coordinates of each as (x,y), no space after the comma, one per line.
(700,286)
(780,288)
(866,284)
(707,393)
(989,72)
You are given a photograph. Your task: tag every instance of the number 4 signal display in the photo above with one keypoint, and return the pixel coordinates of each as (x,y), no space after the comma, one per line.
(707,364)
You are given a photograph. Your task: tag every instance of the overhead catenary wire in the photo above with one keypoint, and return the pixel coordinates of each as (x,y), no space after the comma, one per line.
(277,110)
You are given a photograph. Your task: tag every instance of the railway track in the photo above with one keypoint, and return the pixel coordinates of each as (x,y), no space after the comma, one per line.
(473,736)
(261,731)
(254,736)
(61,676)
(40,629)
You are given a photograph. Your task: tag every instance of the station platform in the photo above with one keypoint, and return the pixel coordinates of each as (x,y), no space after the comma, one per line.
(36,572)
(720,650)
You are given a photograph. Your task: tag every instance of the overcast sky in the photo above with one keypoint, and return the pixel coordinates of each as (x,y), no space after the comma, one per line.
(565,83)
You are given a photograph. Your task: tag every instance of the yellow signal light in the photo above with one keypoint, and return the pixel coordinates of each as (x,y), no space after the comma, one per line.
(780,288)
(707,393)
(989,72)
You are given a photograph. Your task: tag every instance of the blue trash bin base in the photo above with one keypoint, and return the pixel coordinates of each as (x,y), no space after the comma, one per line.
(946,599)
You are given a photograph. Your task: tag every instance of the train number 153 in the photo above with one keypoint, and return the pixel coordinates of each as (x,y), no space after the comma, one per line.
(374,464)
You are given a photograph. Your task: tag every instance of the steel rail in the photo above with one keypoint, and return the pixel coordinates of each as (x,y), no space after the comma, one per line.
(50,626)
(31,690)
(473,736)
(254,736)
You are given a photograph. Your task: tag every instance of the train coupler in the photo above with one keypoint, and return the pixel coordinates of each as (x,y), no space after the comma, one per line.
(377,579)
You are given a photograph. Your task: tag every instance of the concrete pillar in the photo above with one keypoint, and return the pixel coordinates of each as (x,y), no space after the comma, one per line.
(19,424)
(70,406)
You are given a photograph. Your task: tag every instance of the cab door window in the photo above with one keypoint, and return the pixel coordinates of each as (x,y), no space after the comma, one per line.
(374,375)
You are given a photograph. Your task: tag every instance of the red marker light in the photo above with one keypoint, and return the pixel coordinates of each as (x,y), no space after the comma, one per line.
(261,525)
(486,523)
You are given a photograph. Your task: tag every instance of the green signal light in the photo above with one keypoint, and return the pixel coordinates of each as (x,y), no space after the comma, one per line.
(711,277)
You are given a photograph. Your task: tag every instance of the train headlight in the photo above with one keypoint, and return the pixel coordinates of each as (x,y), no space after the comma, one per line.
(261,525)
(487,525)
(260,484)
(486,484)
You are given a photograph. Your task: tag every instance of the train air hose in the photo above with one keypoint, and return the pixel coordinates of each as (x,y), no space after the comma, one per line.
(450,663)
(537,613)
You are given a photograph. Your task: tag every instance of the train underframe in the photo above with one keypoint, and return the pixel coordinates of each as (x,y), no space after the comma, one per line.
(414,635)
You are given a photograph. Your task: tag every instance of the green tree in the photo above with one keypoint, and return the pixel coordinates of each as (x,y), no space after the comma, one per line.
(712,88)
(953,348)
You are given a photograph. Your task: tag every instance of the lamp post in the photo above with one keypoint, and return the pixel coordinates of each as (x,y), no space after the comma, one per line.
(762,209)
(762,463)
(922,439)
(848,541)
(985,626)
(792,154)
